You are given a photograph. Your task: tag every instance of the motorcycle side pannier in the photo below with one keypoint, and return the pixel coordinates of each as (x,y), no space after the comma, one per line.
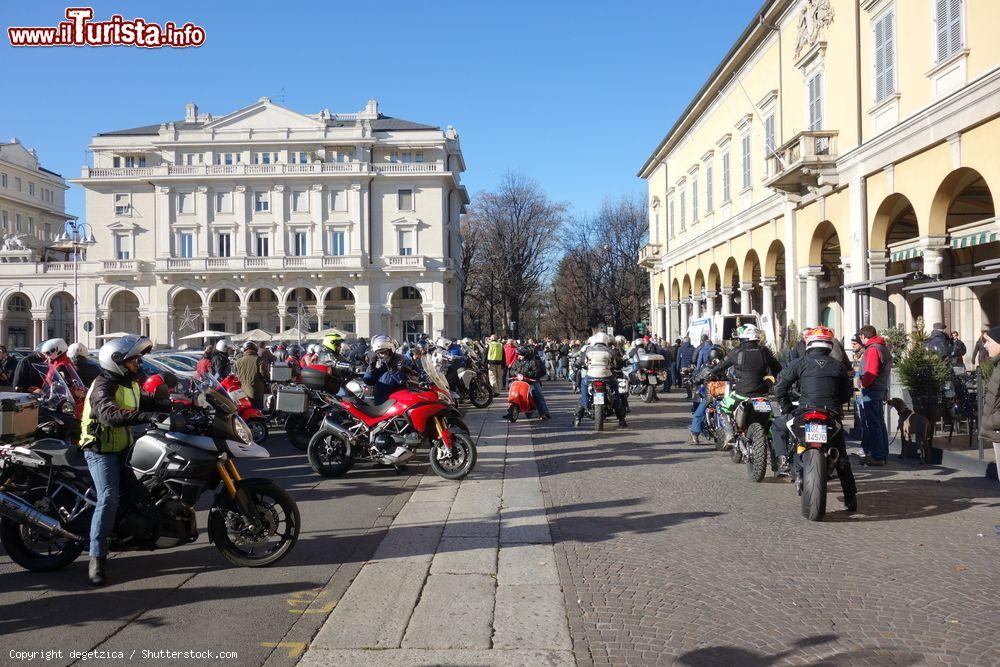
(292,399)
(18,415)
(281,372)
(650,362)
(320,379)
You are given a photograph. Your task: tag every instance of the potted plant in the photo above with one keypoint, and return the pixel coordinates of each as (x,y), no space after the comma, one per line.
(924,374)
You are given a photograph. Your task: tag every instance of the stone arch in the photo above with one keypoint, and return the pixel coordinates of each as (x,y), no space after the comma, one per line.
(686,287)
(774,260)
(699,282)
(730,273)
(118,289)
(661,296)
(957,199)
(714,278)
(893,216)
(675,290)
(407,315)
(261,307)
(338,285)
(821,237)
(123,311)
(751,265)
(59,315)
(18,326)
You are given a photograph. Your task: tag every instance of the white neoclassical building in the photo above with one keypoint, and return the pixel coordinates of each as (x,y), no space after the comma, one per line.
(36,280)
(269,218)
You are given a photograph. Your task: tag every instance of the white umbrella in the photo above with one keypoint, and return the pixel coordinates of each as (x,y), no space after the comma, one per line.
(207,333)
(290,334)
(256,335)
(116,334)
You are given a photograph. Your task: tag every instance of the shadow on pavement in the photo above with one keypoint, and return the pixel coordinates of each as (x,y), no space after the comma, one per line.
(731,655)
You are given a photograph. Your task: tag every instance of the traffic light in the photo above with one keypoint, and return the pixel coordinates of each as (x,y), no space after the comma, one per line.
(640,327)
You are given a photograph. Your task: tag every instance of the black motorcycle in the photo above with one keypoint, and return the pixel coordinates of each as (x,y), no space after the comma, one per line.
(814,432)
(48,496)
(602,396)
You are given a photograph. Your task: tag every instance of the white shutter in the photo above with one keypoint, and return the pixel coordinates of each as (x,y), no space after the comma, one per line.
(954,26)
(941,28)
(879,59)
(888,54)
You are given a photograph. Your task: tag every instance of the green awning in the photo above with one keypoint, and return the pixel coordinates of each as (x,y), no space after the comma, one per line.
(974,239)
(905,254)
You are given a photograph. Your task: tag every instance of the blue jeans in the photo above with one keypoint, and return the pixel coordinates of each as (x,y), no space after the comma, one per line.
(698,419)
(561,367)
(612,386)
(874,437)
(105,470)
(541,407)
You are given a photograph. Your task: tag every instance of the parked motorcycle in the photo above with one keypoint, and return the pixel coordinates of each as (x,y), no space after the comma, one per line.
(813,432)
(254,418)
(649,376)
(321,384)
(391,432)
(471,386)
(49,499)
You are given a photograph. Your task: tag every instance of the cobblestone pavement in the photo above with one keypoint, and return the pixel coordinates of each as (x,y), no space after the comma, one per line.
(668,555)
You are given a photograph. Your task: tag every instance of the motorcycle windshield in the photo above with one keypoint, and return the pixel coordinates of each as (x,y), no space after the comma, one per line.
(215,394)
(56,391)
(433,374)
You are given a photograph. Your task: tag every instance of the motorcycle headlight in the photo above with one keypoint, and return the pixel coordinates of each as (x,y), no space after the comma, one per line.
(241,430)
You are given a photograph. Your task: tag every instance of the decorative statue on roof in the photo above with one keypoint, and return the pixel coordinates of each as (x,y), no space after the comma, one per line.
(814,16)
(12,242)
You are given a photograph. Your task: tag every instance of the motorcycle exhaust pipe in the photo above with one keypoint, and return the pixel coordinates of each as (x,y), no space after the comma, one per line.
(22,512)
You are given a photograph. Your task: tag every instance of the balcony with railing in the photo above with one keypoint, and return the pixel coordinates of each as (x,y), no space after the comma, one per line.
(269,170)
(119,266)
(649,254)
(405,262)
(809,159)
(226,264)
(18,269)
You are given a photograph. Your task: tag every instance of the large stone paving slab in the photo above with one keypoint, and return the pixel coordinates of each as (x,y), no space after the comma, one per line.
(455,612)
(437,658)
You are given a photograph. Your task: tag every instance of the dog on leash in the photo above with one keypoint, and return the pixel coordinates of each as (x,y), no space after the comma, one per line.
(917,432)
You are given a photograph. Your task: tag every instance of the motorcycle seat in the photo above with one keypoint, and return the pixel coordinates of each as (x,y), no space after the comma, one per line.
(373,410)
(60,453)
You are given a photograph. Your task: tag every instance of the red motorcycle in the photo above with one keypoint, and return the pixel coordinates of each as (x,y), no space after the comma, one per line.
(519,399)
(391,432)
(254,418)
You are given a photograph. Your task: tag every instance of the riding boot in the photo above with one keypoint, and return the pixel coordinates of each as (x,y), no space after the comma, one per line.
(579,416)
(95,570)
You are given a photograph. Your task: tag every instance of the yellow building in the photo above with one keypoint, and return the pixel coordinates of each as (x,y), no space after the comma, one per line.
(837,167)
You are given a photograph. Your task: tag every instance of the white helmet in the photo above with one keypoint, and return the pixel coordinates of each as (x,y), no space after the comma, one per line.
(383,342)
(443,343)
(77,350)
(116,352)
(637,342)
(599,338)
(55,346)
(748,332)
(222,346)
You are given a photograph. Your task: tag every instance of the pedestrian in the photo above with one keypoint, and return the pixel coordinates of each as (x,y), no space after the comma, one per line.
(876,365)
(494,363)
(669,353)
(685,359)
(204,365)
(979,352)
(252,372)
(509,357)
(701,354)
(8,365)
(990,422)
(562,366)
(958,350)
(939,342)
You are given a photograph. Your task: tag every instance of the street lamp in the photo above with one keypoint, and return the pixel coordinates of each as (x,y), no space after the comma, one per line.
(76,235)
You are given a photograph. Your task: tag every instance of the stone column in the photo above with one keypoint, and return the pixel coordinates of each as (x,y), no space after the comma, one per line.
(695,307)
(161,202)
(727,300)
(767,286)
(710,303)
(851,322)
(282,314)
(3,330)
(318,214)
(791,266)
(685,302)
(673,324)
(933,301)
(106,323)
(746,296)
(206,313)
(242,200)
(244,314)
(810,275)
(878,302)
(320,316)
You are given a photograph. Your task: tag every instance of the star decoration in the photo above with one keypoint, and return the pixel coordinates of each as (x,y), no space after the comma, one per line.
(187,319)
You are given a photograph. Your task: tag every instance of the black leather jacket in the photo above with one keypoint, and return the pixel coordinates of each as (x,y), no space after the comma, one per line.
(820,380)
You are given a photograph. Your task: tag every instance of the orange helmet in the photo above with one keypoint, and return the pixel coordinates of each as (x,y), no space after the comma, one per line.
(818,337)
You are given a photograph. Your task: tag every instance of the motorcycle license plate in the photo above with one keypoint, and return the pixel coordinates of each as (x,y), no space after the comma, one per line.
(764,406)
(237,394)
(815,432)
(598,399)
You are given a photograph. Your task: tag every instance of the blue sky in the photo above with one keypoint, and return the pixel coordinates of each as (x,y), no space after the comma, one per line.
(574,94)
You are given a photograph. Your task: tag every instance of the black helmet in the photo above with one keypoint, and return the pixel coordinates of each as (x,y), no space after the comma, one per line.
(249,345)
(525,351)
(295,350)
(717,353)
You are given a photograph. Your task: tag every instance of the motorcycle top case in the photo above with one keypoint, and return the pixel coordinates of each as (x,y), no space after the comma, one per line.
(292,399)
(281,372)
(650,362)
(319,379)
(18,415)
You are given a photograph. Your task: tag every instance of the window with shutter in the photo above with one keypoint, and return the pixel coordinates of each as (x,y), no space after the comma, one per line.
(885,76)
(670,218)
(708,188)
(725,177)
(746,161)
(816,101)
(683,209)
(948,27)
(694,199)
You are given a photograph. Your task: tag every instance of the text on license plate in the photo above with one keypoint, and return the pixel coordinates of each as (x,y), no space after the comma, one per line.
(598,399)
(815,432)
(761,406)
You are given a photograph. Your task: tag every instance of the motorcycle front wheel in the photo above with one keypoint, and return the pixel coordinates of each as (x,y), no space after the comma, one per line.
(329,455)
(650,394)
(757,462)
(458,462)
(261,545)
(32,550)
(480,394)
(813,484)
(258,429)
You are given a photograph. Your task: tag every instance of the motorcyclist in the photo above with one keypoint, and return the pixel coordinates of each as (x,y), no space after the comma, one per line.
(821,383)
(87,369)
(330,349)
(598,360)
(221,365)
(387,370)
(751,363)
(54,350)
(529,366)
(684,359)
(716,355)
(114,404)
